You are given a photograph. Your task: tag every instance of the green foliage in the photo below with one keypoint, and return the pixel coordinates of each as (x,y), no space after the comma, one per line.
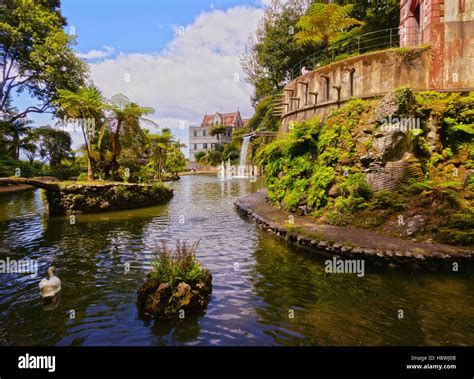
(387,200)
(54,144)
(263,118)
(377,15)
(355,185)
(459,229)
(457,132)
(175,161)
(32,40)
(320,181)
(301,166)
(405,101)
(349,204)
(416,187)
(337,218)
(272,52)
(326,24)
(82,177)
(199,156)
(179,265)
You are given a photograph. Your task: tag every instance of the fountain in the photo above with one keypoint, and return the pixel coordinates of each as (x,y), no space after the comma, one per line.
(229,170)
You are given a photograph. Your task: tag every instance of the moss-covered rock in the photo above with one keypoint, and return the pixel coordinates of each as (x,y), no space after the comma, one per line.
(176,286)
(161,300)
(418,149)
(75,198)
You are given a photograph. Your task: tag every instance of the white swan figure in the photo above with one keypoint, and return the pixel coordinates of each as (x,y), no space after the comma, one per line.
(50,287)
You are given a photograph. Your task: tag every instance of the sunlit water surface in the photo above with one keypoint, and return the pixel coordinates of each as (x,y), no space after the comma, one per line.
(259,281)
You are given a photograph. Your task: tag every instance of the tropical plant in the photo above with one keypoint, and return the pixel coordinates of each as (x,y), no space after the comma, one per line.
(218,130)
(159,145)
(87,105)
(124,119)
(327,24)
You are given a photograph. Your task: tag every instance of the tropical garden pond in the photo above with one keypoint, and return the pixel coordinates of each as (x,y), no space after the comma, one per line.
(265,292)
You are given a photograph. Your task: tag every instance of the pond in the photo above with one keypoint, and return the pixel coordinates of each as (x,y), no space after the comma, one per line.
(265,292)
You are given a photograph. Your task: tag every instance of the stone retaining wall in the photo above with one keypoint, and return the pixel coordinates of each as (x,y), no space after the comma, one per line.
(79,198)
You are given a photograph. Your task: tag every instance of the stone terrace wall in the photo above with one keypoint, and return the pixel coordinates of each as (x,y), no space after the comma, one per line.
(365,76)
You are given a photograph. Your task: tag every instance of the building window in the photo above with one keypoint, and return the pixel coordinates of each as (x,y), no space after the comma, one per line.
(204,146)
(204,133)
(195,146)
(195,133)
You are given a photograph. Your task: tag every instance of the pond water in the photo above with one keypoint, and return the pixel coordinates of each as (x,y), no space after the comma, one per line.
(259,281)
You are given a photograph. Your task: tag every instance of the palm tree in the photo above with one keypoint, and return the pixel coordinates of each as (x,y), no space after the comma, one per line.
(326,24)
(160,145)
(86,104)
(123,123)
(217,131)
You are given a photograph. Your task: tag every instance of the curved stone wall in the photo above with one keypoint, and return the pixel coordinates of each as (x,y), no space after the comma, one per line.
(364,76)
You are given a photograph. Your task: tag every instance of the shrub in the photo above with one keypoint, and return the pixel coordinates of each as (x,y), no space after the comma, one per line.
(405,101)
(355,185)
(82,176)
(179,265)
(349,204)
(321,179)
(387,200)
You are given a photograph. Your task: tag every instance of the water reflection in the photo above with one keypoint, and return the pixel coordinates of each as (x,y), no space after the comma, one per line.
(258,281)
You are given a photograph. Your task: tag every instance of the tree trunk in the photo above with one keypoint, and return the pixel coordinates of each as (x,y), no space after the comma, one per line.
(90,171)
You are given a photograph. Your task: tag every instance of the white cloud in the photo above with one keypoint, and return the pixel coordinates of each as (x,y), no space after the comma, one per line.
(96,54)
(198,71)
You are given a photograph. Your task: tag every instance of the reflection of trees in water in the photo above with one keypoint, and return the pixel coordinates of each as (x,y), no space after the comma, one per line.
(90,256)
(342,309)
(445,305)
(14,230)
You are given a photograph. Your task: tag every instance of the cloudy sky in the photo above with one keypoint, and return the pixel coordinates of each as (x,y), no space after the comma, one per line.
(180,57)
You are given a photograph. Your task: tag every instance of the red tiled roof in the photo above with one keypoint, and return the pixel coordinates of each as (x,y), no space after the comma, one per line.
(228,119)
(245,121)
(208,120)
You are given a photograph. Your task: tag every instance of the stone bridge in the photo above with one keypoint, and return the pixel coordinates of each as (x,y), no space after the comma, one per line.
(47,185)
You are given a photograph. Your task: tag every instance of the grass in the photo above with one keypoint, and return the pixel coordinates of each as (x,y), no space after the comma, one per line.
(178,265)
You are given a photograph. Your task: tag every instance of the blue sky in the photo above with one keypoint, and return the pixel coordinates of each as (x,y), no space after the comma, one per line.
(180,57)
(101,22)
